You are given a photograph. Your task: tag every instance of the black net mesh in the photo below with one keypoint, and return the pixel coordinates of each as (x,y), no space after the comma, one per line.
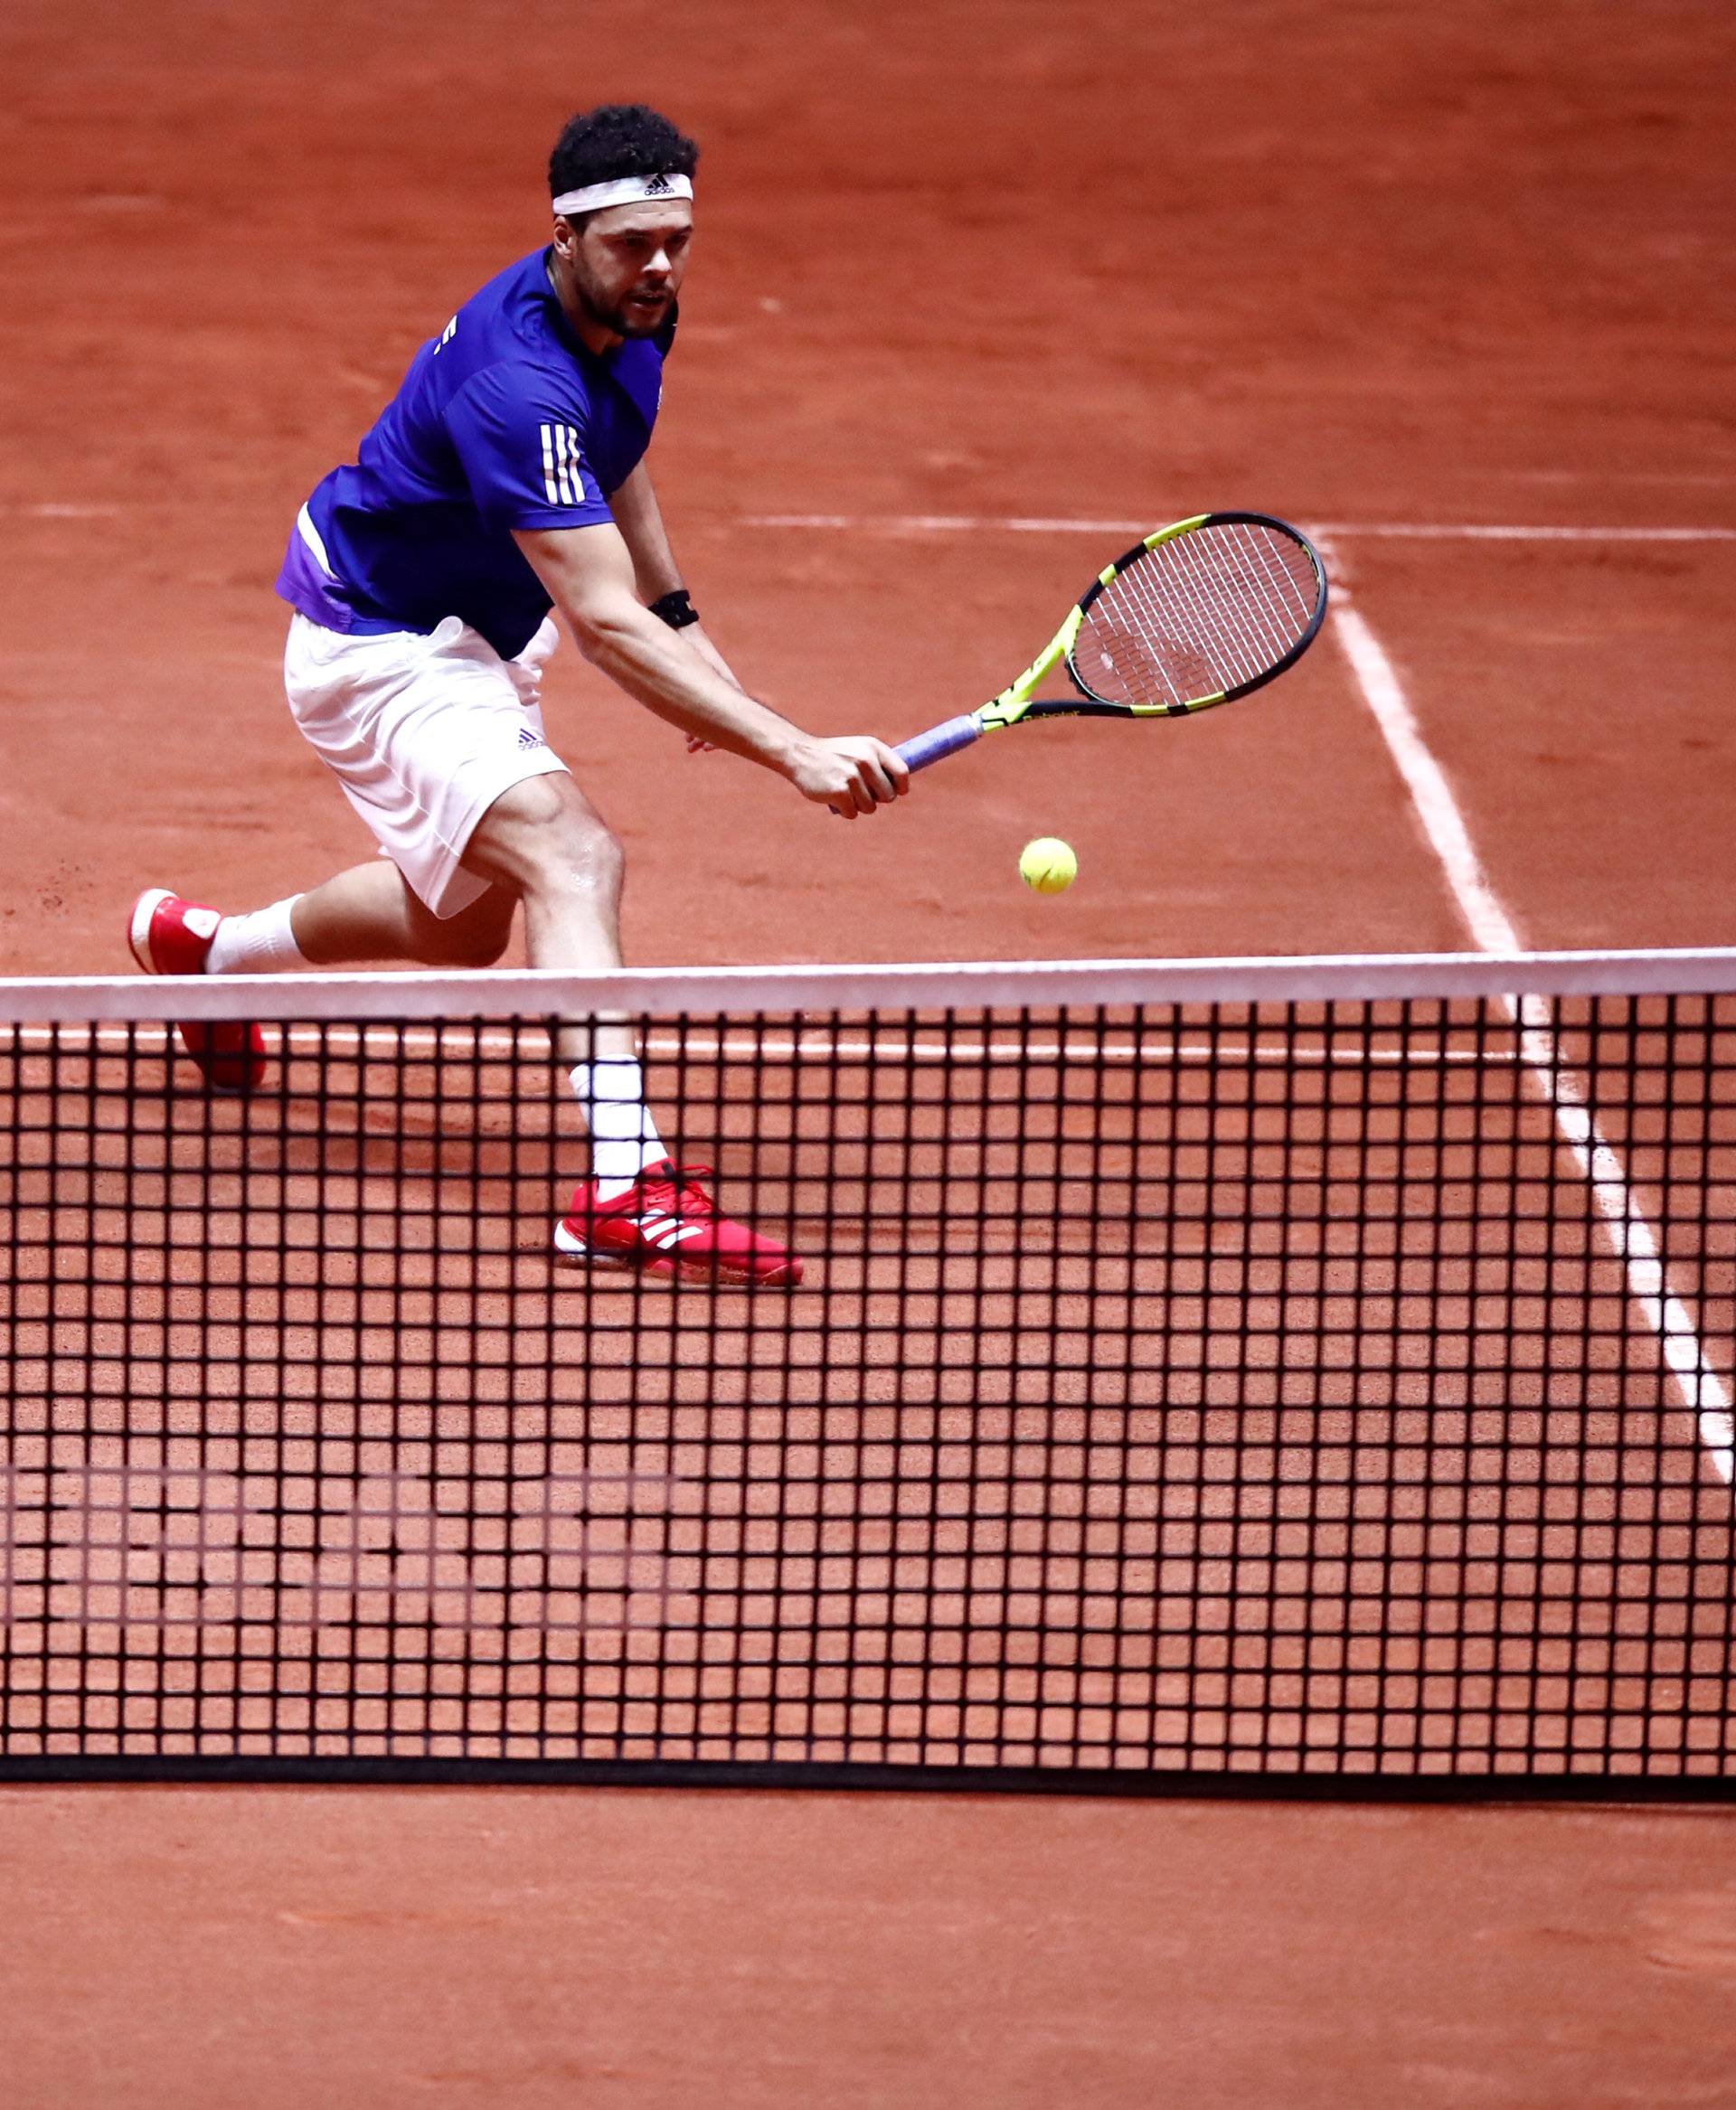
(1177,1396)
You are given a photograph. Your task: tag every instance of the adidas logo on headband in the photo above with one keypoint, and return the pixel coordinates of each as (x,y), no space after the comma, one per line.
(623,191)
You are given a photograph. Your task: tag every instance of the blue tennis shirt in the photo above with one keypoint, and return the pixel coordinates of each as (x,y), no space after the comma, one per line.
(504,420)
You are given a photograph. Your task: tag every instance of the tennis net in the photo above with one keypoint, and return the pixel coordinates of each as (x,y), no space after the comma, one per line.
(1306,1376)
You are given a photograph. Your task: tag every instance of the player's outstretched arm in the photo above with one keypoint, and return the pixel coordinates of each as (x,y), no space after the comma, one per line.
(656,572)
(639,518)
(591,576)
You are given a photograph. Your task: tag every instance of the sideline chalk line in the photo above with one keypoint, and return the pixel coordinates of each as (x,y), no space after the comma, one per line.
(1703,1392)
(961,524)
(966,523)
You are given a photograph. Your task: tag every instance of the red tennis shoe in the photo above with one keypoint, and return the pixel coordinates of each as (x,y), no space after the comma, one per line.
(171,936)
(667,1223)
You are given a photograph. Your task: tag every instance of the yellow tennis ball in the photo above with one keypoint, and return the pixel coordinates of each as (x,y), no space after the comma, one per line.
(1048,866)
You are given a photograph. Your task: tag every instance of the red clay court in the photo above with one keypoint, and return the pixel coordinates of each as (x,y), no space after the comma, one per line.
(979,294)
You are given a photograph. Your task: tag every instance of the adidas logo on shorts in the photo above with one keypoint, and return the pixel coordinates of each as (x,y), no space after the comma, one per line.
(527,739)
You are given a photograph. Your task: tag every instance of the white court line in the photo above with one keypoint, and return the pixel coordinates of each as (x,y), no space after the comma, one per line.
(1444,530)
(967,524)
(1703,1392)
(964,524)
(52,512)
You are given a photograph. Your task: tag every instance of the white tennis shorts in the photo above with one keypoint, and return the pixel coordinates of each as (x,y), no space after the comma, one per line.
(424,734)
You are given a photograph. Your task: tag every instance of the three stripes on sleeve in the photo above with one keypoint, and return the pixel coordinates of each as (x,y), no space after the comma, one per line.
(563,480)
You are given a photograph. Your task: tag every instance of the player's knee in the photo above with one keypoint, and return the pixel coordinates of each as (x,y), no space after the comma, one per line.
(590,859)
(568,850)
(543,837)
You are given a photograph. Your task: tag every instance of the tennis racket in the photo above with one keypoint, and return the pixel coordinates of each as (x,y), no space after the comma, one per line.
(1194,616)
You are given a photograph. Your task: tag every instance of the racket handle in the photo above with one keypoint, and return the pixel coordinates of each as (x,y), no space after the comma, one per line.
(940,740)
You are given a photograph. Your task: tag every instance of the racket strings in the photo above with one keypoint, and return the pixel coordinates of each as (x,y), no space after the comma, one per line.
(1214,610)
(1204,613)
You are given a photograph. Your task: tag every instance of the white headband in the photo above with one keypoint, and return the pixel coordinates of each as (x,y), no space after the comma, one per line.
(624,191)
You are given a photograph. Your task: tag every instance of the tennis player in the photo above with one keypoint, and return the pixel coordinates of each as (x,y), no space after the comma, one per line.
(506,479)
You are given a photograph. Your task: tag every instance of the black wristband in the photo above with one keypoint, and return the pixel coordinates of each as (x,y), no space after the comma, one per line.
(675,609)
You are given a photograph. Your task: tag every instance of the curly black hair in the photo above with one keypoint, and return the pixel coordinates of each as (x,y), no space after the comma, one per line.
(618,139)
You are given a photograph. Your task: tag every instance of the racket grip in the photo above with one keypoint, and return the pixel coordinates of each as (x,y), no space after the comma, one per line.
(940,740)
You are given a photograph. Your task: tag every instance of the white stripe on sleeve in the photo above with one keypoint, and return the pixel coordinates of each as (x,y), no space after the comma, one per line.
(571,489)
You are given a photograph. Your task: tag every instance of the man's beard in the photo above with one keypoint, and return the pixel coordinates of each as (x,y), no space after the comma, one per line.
(618,319)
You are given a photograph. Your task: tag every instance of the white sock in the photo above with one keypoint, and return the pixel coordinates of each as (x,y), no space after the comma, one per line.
(623,1135)
(259,944)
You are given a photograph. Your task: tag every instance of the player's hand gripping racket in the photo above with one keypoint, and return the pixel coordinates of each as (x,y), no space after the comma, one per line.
(1195,615)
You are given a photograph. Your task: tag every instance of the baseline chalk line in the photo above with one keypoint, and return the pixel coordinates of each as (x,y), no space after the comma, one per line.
(963,523)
